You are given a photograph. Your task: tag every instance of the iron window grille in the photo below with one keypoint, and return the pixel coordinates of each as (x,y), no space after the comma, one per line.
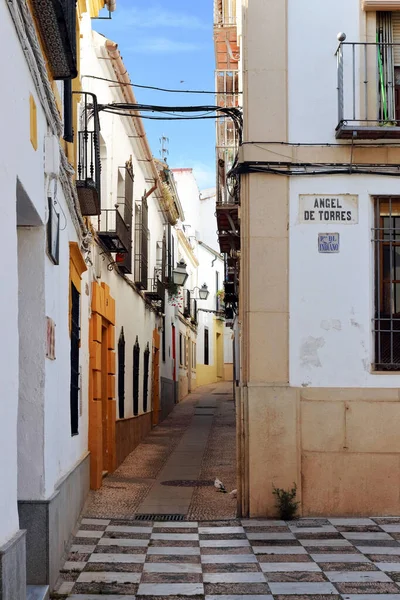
(387,283)
(141,244)
(89,165)
(126,206)
(136,361)
(194,312)
(75,343)
(163,350)
(181,350)
(121,374)
(206,347)
(146,360)
(186,306)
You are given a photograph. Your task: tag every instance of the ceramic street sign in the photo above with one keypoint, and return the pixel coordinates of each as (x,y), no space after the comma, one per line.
(328,243)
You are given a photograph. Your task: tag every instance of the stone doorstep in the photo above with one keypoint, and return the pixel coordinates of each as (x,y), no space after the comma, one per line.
(37,592)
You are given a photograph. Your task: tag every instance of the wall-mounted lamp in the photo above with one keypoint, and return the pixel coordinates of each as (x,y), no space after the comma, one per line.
(180,274)
(203,291)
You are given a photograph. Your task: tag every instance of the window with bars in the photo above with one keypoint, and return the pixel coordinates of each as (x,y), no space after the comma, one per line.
(181,350)
(163,349)
(387,283)
(146,360)
(141,244)
(75,343)
(121,374)
(206,346)
(136,362)
(125,204)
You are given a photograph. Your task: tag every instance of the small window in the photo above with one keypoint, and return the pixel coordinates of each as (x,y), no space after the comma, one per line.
(194,347)
(387,284)
(163,340)
(206,347)
(186,350)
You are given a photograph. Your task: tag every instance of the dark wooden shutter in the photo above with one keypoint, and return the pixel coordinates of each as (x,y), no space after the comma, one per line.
(206,347)
(146,359)
(163,340)
(75,340)
(121,374)
(136,361)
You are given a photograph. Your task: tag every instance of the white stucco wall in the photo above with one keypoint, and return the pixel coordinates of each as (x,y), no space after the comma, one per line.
(331,295)
(208,222)
(312,81)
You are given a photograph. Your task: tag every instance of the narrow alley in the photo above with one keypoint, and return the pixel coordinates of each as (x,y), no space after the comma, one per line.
(172,471)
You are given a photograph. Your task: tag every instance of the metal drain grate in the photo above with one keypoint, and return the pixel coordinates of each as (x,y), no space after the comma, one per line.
(154,517)
(189,482)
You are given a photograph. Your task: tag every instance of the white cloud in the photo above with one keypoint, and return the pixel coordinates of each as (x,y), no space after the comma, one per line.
(163,46)
(155,17)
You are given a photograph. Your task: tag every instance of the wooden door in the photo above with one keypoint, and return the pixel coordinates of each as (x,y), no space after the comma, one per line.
(104,397)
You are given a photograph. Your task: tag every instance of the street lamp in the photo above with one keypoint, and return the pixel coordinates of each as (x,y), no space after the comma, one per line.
(203,291)
(180,274)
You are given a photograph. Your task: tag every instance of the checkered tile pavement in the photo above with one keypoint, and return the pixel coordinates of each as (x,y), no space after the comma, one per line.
(350,559)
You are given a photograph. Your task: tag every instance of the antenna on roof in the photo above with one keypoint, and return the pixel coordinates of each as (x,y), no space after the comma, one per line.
(164,152)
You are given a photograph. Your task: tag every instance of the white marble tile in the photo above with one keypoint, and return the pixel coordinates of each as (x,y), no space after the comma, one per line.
(108,577)
(82,548)
(175,537)
(351,522)
(357,535)
(279,550)
(391,528)
(117,558)
(302,588)
(129,529)
(224,543)
(333,543)
(389,567)
(233,578)
(170,589)
(177,525)
(357,576)
(66,587)
(100,597)
(220,530)
(322,529)
(159,567)
(95,521)
(262,523)
(89,534)
(173,550)
(272,567)
(74,565)
(379,550)
(335,558)
(123,542)
(226,559)
(239,597)
(371,596)
(270,536)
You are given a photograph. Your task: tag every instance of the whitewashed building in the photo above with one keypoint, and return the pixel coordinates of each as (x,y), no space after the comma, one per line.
(318,402)
(45,362)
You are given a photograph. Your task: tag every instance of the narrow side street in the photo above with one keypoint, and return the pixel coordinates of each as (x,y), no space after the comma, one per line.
(173,470)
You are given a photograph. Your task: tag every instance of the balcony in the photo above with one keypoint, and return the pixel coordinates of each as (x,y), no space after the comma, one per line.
(114,233)
(56,20)
(155,292)
(89,165)
(368,86)
(224,13)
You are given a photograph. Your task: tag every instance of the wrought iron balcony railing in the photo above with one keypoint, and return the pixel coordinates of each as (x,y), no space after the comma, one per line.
(156,292)
(56,20)
(368,87)
(89,164)
(114,232)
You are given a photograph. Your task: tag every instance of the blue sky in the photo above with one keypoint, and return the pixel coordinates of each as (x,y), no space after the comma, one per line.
(170,44)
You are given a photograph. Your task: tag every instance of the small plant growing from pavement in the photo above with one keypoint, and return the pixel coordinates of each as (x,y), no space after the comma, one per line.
(285,502)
